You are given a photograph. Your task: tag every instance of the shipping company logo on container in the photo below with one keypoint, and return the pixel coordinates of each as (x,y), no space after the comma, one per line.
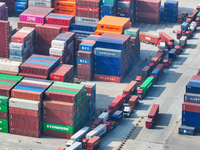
(111,28)
(149,85)
(31,18)
(148,38)
(107,53)
(56,127)
(90,9)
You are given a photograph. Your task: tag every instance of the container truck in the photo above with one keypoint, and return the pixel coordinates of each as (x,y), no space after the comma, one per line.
(130,89)
(96,122)
(116,104)
(152,116)
(182,44)
(146,85)
(115,119)
(156,60)
(93,143)
(184,28)
(162,47)
(149,38)
(128,109)
(161,67)
(192,16)
(78,136)
(156,74)
(167,39)
(172,54)
(146,72)
(104,116)
(191,29)
(139,80)
(75,146)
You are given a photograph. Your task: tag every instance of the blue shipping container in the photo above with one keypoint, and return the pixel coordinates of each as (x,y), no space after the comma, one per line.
(84,27)
(172,53)
(193,87)
(186,130)
(86,47)
(111,43)
(117,116)
(83,61)
(21,5)
(156,73)
(184,26)
(191,117)
(192,98)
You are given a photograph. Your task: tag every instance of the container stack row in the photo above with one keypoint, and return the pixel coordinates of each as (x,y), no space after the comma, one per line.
(10,4)
(20,6)
(25,107)
(7,82)
(63,47)
(64,108)
(148,11)
(191,105)
(170,11)
(65,7)
(39,66)
(43,3)
(22,44)
(3,12)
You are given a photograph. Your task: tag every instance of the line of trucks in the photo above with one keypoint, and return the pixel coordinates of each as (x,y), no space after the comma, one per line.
(89,137)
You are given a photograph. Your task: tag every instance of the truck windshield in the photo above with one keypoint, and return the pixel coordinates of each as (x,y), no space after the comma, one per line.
(148,123)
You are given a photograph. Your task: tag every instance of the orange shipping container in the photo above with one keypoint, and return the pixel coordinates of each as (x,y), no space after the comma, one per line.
(114,24)
(64,4)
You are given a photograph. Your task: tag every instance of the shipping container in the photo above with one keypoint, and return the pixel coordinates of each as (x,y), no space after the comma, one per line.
(147,84)
(146,37)
(116,103)
(146,72)
(193,87)
(191,107)
(93,143)
(186,130)
(98,131)
(133,101)
(130,89)
(192,98)
(104,116)
(80,134)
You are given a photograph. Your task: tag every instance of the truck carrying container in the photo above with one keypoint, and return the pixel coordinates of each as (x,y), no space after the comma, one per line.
(99,131)
(116,103)
(156,60)
(96,122)
(93,143)
(166,38)
(149,38)
(133,102)
(172,54)
(152,115)
(186,130)
(104,116)
(161,67)
(117,116)
(146,72)
(156,74)
(130,89)
(184,26)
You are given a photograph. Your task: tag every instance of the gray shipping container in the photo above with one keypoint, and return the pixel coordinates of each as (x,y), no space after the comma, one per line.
(75,146)
(98,131)
(25,104)
(183,40)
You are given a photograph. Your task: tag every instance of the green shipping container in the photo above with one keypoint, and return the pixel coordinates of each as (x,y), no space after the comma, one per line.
(4,100)
(198,15)
(58,127)
(131,32)
(4,129)
(4,109)
(7,83)
(3,122)
(147,84)
(109,2)
(10,77)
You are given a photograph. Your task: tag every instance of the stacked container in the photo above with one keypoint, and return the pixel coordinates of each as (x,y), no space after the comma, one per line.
(39,66)
(10,4)
(191,104)
(43,3)
(126,8)
(22,44)
(63,73)
(20,6)
(44,36)
(3,12)
(59,20)
(7,82)
(91,107)
(148,11)
(108,8)
(65,7)
(9,67)
(113,57)
(25,107)
(170,11)
(5,37)
(87,11)
(85,58)
(112,24)
(64,108)
(33,16)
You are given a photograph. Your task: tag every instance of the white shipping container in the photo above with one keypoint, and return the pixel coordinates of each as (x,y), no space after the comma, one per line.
(75,146)
(58,44)
(37,81)
(80,134)
(98,131)
(104,116)
(40,4)
(56,51)
(42,0)
(8,65)
(25,104)
(16,46)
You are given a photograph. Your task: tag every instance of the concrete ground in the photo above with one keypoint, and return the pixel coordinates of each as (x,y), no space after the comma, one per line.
(168,92)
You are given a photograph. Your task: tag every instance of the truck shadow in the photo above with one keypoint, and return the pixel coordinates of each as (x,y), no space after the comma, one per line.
(162,120)
(156,91)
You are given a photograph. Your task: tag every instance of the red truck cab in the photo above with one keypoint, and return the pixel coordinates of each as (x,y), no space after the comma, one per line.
(139,80)
(179,34)
(197,20)
(110,125)
(179,49)
(188,34)
(140,93)
(84,143)
(167,62)
(152,116)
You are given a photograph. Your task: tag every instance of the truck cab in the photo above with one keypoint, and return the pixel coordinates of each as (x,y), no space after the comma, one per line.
(127,111)
(149,123)
(179,34)
(139,80)
(84,143)
(179,49)
(170,45)
(180,19)
(197,20)
(188,34)
(167,62)
(125,97)
(110,125)
(140,93)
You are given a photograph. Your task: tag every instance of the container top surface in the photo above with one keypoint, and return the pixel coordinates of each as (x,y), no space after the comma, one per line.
(112,20)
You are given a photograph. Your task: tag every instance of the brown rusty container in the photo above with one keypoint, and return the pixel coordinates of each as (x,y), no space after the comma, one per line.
(25,112)
(58,120)
(57,134)
(25,132)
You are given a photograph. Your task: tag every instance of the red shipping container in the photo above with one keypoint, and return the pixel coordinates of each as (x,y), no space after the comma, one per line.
(24,118)
(84,54)
(57,134)
(21,24)
(33,75)
(61,114)
(5,90)
(107,78)
(25,132)
(25,112)
(84,77)
(58,120)
(149,38)
(192,107)
(195,77)
(116,103)
(131,88)
(25,125)
(3,115)
(63,28)
(133,101)
(93,143)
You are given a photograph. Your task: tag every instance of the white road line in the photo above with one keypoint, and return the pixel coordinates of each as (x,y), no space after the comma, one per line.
(5,144)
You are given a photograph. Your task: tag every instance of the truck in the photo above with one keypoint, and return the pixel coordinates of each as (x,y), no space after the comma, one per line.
(156,60)
(161,67)
(172,54)
(167,39)
(104,116)
(191,17)
(184,28)
(75,146)
(162,47)
(181,16)
(128,109)
(182,44)
(130,89)
(146,72)
(192,27)
(139,80)
(96,122)
(116,104)
(156,74)
(167,62)
(152,116)
(78,136)
(149,38)
(115,119)
(93,143)
(146,85)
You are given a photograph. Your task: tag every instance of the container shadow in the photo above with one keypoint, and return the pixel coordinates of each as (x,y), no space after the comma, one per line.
(192,46)
(180,60)
(156,91)
(163,119)
(142,106)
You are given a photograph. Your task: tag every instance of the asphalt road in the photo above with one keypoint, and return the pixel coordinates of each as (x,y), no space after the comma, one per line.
(168,92)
